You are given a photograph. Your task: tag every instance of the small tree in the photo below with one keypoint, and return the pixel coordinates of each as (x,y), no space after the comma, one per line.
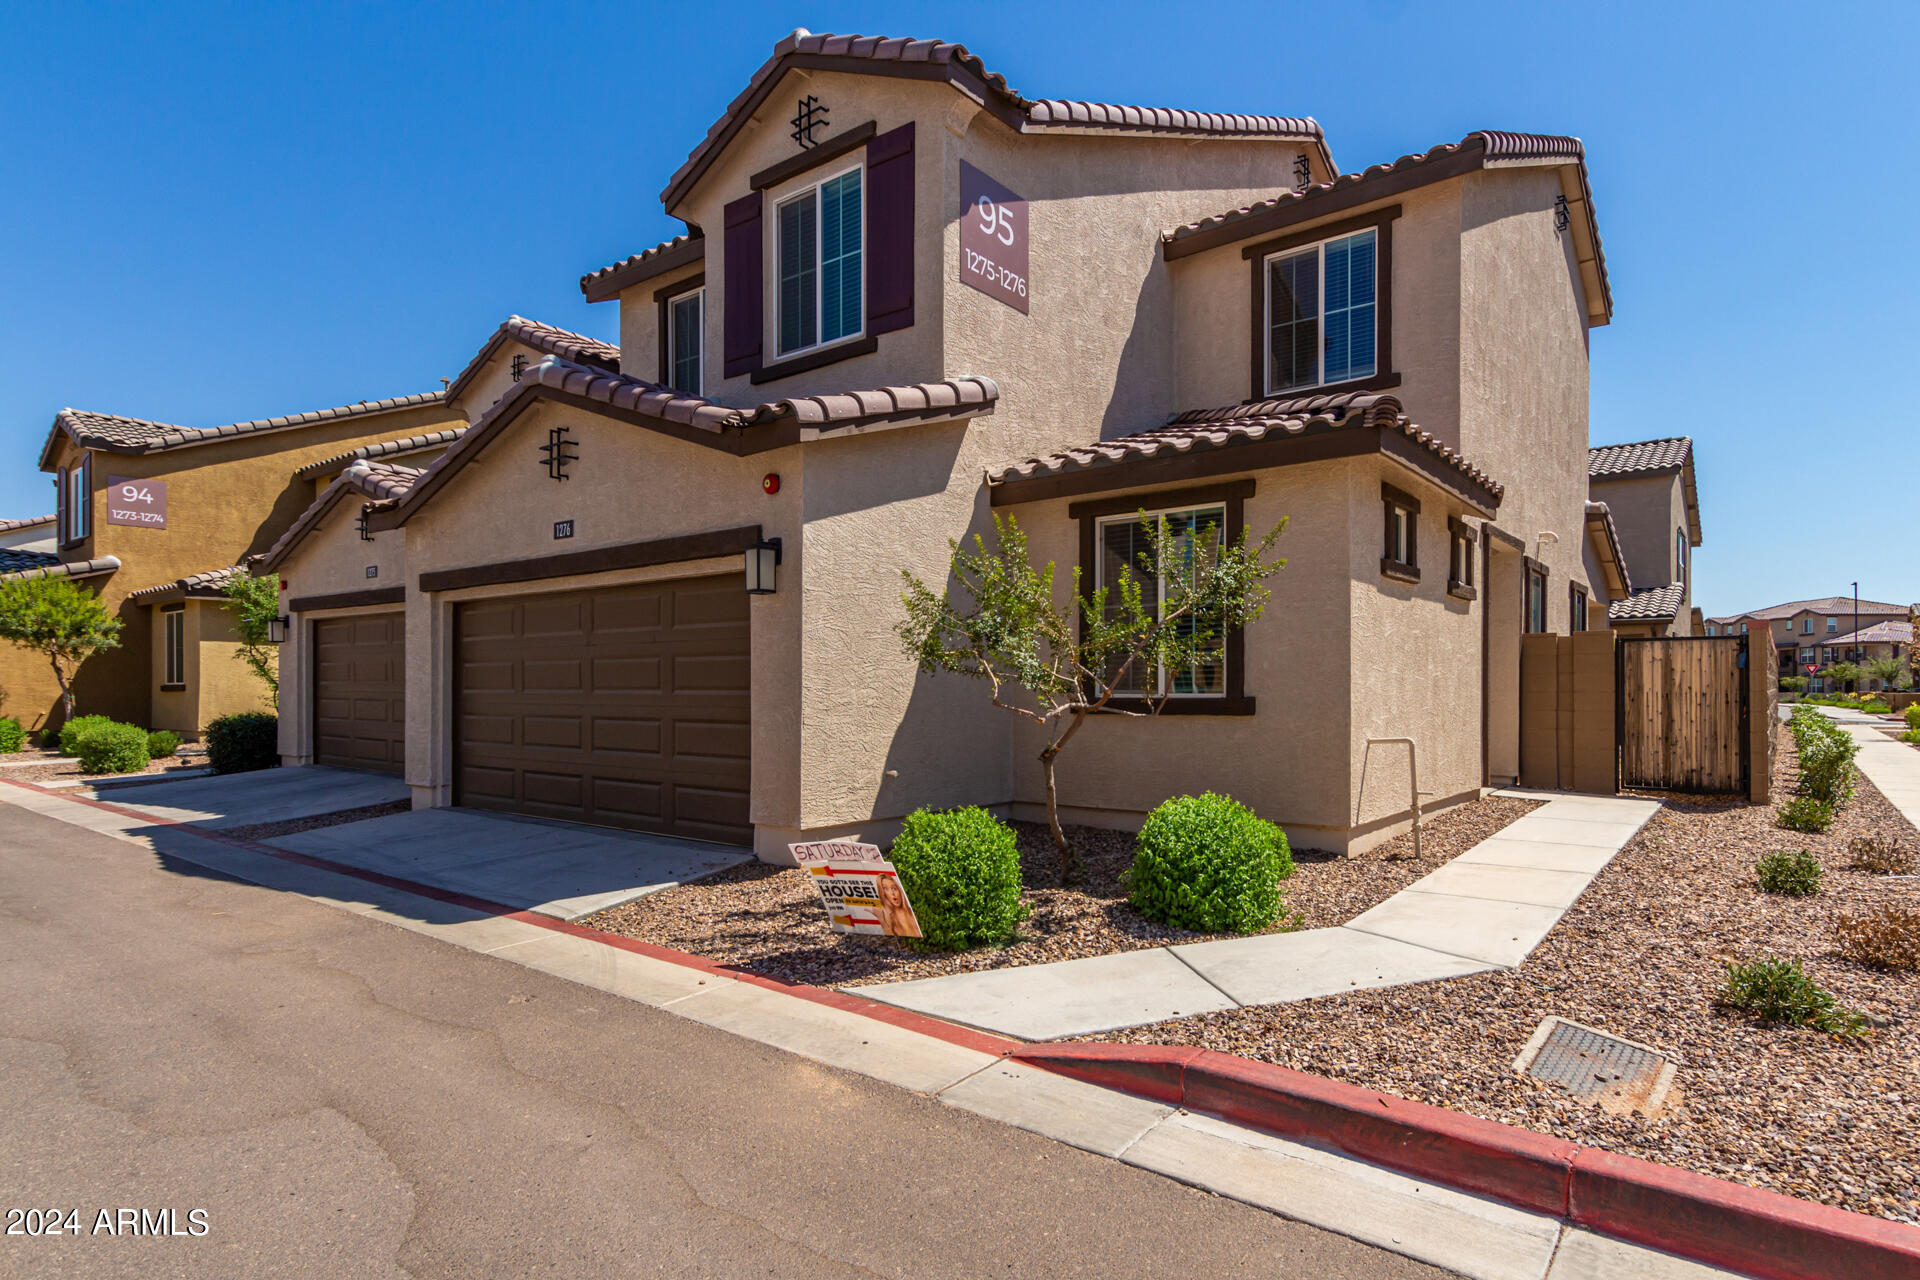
(60,620)
(1840,673)
(1888,671)
(254,602)
(1000,623)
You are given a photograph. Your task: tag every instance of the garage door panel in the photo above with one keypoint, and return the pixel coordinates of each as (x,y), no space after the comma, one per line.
(359,691)
(653,736)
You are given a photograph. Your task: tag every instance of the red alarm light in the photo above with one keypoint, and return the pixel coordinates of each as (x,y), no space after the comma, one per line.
(771,482)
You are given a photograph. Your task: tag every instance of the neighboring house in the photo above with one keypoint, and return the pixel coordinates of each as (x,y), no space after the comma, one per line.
(908,297)
(1647,489)
(1813,633)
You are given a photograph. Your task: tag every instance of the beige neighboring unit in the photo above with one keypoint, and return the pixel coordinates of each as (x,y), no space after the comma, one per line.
(1652,502)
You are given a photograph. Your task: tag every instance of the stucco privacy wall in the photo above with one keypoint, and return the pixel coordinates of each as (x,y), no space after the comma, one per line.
(1523,366)
(1289,760)
(629,484)
(331,560)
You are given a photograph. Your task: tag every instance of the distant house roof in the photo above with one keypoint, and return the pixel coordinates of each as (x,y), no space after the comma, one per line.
(732,429)
(1600,523)
(115,433)
(13,569)
(31,522)
(1823,605)
(209,584)
(385,449)
(544,338)
(1672,455)
(1878,633)
(374,481)
(1485,149)
(1650,604)
(669,255)
(1237,426)
(942,60)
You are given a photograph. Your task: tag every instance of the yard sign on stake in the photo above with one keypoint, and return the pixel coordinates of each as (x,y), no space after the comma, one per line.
(860,889)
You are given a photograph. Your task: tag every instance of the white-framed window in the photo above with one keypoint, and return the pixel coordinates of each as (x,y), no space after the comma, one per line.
(1322,313)
(1126,551)
(1833,625)
(1680,557)
(1576,608)
(1806,626)
(686,318)
(174,623)
(1536,600)
(1460,571)
(819,241)
(1712,630)
(79,509)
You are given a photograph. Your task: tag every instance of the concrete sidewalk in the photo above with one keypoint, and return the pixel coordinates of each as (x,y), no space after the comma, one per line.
(1487,909)
(1891,766)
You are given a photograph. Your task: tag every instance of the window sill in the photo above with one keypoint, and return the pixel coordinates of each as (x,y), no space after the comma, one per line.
(1462,590)
(1374,382)
(173,688)
(1397,571)
(819,358)
(1189,706)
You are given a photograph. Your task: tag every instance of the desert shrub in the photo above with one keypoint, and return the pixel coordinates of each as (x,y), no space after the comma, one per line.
(1882,857)
(162,742)
(1794,873)
(961,871)
(1911,735)
(1207,863)
(243,741)
(1826,757)
(1804,813)
(1883,937)
(1778,990)
(112,748)
(12,736)
(72,730)
(1913,717)
(1794,684)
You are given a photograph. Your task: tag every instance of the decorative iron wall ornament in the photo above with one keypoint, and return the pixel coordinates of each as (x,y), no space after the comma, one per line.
(1302,172)
(811,116)
(558,451)
(519,364)
(366,534)
(1562,216)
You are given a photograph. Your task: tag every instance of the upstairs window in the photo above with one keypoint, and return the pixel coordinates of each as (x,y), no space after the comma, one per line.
(818,242)
(1576,608)
(1321,310)
(1536,597)
(1400,556)
(1126,552)
(686,316)
(1833,625)
(1680,557)
(175,622)
(1806,626)
(1460,574)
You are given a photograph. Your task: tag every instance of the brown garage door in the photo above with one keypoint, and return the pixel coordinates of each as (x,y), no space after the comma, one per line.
(623,707)
(360,691)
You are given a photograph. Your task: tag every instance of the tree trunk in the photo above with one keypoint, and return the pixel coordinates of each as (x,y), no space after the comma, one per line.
(1069,868)
(66,693)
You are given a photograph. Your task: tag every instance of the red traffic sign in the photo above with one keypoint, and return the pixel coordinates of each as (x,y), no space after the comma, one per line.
(1811,668)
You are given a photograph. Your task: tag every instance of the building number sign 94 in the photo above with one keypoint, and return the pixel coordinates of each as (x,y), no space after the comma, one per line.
(993,239)
(137,502)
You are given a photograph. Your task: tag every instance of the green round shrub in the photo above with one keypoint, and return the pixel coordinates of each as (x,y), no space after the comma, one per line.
(243,741)
(12,736)
(162,742)
(1805,813)
(961,871)
(1775,989)
(112,748)
(1794,874)
(1207,863)
(72,731)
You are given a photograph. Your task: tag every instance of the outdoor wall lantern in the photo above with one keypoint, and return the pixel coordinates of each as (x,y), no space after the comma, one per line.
(277,630)
(763,561)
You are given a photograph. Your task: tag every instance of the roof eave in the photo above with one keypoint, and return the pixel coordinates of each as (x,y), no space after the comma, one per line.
(599,287)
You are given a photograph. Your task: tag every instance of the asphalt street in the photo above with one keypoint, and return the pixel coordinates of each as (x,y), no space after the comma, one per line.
(341,1098)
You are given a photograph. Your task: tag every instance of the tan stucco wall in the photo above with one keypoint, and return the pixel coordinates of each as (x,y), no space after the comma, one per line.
(217,683)
(494,380)
(640,328)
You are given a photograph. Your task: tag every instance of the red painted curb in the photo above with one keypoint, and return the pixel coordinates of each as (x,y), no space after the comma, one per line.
(1722,1224)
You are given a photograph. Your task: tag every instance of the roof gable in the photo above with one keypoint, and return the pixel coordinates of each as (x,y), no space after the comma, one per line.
(546,339)
(1671,455)
(375,481)
(116,433)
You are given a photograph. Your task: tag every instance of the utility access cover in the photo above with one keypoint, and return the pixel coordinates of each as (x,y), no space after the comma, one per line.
(1617,1075)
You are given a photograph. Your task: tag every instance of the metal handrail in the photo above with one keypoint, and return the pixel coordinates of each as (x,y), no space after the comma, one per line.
(1413,765)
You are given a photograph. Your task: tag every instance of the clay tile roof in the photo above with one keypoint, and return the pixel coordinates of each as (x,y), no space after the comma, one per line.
(118,434)
(1610,461)
(48,567)
(385,449)
(1878,633)
(379,482)
(970,75)
(1598,513)
(13,560)
(1650,604)
(668,255)
(31,522)
(1822,605)
(544,338)
(1204,429)
(209,583)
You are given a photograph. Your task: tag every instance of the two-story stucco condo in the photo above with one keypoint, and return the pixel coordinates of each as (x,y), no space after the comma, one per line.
(1647,493)
(663,595)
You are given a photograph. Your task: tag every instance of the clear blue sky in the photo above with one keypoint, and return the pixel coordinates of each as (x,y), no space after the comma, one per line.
(214,212)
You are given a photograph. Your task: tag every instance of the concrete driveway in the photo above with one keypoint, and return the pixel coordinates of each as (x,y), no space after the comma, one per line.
(555,868)
(265,795)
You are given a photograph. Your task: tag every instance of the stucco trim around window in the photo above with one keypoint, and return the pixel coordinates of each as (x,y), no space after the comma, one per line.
(1385,374)
(1231,495)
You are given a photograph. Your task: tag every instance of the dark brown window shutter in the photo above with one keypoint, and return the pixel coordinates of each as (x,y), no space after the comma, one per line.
(86,494)
(890,230)
(743,289)
(60,507)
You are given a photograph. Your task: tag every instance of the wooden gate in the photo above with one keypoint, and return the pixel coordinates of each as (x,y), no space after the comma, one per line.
(1683,714)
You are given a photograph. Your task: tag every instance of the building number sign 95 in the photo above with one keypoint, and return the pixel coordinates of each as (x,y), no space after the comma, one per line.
(993,239)
(137,502)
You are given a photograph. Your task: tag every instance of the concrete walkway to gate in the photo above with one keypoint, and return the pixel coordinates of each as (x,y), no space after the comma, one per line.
(1487,909)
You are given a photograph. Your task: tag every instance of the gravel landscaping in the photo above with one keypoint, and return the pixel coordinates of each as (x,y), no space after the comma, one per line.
(313,822)
(769,919)
(1641,955)
(38,766)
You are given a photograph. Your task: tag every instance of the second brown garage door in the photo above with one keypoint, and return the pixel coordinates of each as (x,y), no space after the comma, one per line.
(622,707)
(360,691)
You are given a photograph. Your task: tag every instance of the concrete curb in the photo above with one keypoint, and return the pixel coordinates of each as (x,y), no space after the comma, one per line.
(1718,1223)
